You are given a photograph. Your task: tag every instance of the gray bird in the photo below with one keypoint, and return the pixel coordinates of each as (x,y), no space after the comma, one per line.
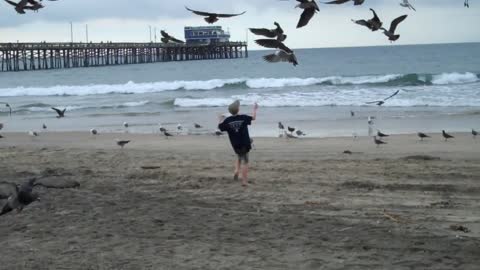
(283,53)
(213,17)
(44,126)
(166,38)
(377,141)
(167,134)
(447,136)
(281,126)
(276,33)
(382,135)
(122,143)
(422,136)
(465,4)
(373,24)
(197,125)
(381,102)
(407,4)
(338,2)
(93,132)
(309,10)
(390,33)
(21,197)
(300,133)
(23,5)
(474,133)
(60,113)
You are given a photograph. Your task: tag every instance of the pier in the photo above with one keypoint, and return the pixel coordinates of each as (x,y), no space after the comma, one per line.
(44,56)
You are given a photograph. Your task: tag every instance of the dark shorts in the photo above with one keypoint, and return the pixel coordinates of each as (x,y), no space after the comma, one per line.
(242,154)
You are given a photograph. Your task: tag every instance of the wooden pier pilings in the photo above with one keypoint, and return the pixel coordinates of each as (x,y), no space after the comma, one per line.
(41,56)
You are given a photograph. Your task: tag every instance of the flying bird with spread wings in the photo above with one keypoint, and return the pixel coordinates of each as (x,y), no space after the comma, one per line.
(373,24)
(270,33)
(407,4)
(166,38)
(338,2)
(390,33)
(213,17)
(381,102)
(283,53)
(309,7)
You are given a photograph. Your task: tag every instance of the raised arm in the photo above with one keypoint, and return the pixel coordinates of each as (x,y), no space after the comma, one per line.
(255,108)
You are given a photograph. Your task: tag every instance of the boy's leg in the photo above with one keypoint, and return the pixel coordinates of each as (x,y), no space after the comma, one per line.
(237,169)
(244,169)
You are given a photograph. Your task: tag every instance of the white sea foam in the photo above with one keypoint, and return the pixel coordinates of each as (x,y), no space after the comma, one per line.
(455,78)
(252,83)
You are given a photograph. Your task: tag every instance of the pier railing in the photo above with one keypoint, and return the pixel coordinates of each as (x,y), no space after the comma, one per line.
(40,56)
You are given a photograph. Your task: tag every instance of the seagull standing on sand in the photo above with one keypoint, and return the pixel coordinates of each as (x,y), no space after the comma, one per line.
(422,136)
(446,135)
(93,132)
(167,134)
(122,143)
(125,125)
(352,114)
(309,9)
(281,129)
(21,197)
(406,4)
(44,127)
(474,133)
(197,125)
(382,135)
(162,129)
(378,142)
(33,133)
(60,113)
(300,133)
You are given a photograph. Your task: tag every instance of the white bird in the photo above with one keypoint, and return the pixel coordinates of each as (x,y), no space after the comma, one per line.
(33,133)
(406,4)
(125,124)
(179,127)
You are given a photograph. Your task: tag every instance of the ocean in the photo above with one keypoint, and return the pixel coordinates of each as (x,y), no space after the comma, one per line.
(440,89)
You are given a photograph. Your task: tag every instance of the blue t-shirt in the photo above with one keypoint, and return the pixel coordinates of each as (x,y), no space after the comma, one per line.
(237,128)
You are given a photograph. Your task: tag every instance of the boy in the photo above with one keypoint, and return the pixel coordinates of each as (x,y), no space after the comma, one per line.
(237,128)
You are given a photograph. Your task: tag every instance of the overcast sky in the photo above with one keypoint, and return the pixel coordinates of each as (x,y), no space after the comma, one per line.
(436,21)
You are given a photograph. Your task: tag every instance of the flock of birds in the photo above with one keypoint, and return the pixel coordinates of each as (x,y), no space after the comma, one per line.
(274,37)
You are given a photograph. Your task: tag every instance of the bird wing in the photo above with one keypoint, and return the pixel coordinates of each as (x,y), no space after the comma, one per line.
(164,34)
(361,22)
(201,13)
(176,40)
(395,23)
(303,1)
(373,102)
(273,58)
(394,94)
(263,32)
(11,3)
(230,15)
(375,17)
(307,14)
(57,110)
(274,44)
(337,2)
(410,5)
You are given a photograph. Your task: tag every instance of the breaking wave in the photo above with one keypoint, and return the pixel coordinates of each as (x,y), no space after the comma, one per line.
(244,83)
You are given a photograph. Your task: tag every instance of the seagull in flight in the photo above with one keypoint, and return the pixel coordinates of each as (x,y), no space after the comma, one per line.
(270,33)
(283,53)
(213,17)
(407,4)
(381,102)
(338,2)
(373,24)
(61,113)
(309,10)
(166,38)
(390,33)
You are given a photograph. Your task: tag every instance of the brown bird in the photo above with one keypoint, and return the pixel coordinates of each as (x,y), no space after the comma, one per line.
(166,38)
(213,17)
(373,24)
(270,33)
(309,10)
(283,53)
(390,33)
(338,2)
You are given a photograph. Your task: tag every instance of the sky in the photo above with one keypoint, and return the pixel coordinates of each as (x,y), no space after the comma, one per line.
(436,21)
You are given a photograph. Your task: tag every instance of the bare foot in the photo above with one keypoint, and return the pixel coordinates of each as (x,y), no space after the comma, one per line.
(235,177)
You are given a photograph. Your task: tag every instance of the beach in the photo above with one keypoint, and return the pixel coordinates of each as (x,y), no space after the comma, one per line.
(173,204)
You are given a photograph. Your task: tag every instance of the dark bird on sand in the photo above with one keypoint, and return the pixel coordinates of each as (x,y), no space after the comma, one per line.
(163,130)
(276,33)
(373,24)
(474,133)
(8,106)
(122,143)
(352,114)
(93,131)
(44,126)
(300,133)
(213,17)
(283,53)
(378,142)
(291,129)
(309,10)
(338,2)
(218,133)
(446,135)
(166,38)
(1,136)
(390,33)
(61,113)
(280,126)
(33,133)
(1,126)
(381,102)
(382,135)
(422,135)
(21,197)
(197,125)
(167,134)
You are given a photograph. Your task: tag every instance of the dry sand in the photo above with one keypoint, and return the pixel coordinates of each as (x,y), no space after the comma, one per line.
(310,206)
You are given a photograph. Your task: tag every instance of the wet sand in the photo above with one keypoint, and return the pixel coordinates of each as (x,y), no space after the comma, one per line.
(172,204)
